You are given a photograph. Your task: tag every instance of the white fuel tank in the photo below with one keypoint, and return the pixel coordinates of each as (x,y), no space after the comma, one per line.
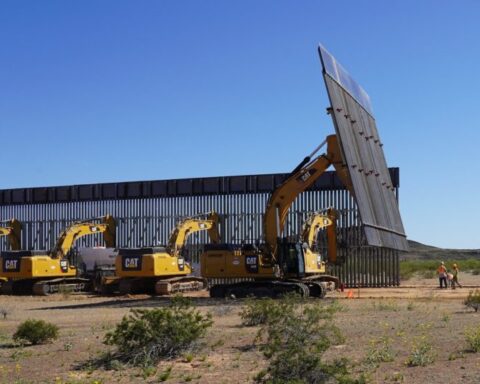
(97,256)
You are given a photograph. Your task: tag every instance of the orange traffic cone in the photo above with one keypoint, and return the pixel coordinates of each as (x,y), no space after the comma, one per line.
(350,294)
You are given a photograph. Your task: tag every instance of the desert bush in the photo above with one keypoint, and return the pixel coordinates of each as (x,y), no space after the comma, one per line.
(380,350)
(473,338)
(259,311)
(144,337)
(165,374)
(473,300)
(422,353)
(36,332)
(294,340)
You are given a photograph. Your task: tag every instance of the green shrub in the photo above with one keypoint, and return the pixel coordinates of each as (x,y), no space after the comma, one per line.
(422,353)
(36,332)
(294,340)
(259,311)
(146,336)
(380,351)
(473,338)
(165,375)
(473,300)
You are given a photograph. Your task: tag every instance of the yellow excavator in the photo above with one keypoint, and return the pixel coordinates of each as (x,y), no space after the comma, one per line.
(13,231)
(42,273)
(313,224)
(279,265)
(163,270)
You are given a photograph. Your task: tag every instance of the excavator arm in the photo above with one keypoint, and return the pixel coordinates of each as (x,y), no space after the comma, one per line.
(301,178)
(312,225)
(318,221)
(13,231)
(79,229)
(191,225)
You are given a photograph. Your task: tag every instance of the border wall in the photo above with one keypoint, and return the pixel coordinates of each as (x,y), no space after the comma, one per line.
(147,211)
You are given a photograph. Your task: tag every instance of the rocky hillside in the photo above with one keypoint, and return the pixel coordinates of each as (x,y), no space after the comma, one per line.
(419,251)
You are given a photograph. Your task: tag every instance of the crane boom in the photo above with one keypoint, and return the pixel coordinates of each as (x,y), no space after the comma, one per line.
(190,225)
(303,176)
(79,229)
(13,232)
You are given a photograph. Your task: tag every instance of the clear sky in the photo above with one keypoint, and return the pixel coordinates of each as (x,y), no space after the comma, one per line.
(103,91)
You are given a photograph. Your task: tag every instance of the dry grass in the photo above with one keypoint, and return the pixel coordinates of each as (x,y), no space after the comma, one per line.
(230,355)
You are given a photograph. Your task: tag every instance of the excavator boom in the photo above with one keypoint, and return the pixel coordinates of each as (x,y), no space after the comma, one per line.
(300,179)
(68,237)
(13,232)
(318,221)
(189,226)
(312,225)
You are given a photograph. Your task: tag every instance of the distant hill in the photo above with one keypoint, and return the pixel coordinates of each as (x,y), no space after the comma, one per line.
(419,251)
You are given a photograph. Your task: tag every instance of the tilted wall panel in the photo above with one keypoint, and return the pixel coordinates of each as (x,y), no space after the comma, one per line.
(363,155)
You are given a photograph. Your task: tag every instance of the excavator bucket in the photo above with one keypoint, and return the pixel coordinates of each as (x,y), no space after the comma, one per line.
(110,235)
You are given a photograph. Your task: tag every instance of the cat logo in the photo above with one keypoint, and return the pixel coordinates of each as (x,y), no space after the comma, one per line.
(64,266)
(11,265)
(251,263)
(181,264)
(305,176)
(131,263)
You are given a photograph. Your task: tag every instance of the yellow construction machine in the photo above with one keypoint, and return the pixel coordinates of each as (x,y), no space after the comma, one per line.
(163,270)
(313,224)
(280,265)
(42,273)
(13,231)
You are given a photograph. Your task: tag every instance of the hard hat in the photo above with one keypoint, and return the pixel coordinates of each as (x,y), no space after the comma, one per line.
(443,263)
(454,265)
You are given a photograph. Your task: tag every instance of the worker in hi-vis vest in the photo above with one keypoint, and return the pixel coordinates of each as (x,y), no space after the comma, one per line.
(442,275)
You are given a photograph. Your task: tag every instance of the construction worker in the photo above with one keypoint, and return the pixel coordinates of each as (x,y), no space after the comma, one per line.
(455,277)
(442,275)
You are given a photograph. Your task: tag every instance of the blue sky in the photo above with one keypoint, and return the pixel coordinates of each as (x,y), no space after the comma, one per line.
(101,91)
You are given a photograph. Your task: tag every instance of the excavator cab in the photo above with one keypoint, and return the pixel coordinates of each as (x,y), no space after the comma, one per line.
(291,258)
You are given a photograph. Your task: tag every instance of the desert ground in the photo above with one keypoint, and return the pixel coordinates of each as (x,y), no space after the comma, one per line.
(230,354)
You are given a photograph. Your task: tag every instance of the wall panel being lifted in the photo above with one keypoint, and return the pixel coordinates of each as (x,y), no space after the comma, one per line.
(363,155)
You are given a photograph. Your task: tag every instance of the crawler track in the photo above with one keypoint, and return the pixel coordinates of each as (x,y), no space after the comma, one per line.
(45,287)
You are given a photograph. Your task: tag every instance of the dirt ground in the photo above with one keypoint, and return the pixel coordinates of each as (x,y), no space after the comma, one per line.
(402,314)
